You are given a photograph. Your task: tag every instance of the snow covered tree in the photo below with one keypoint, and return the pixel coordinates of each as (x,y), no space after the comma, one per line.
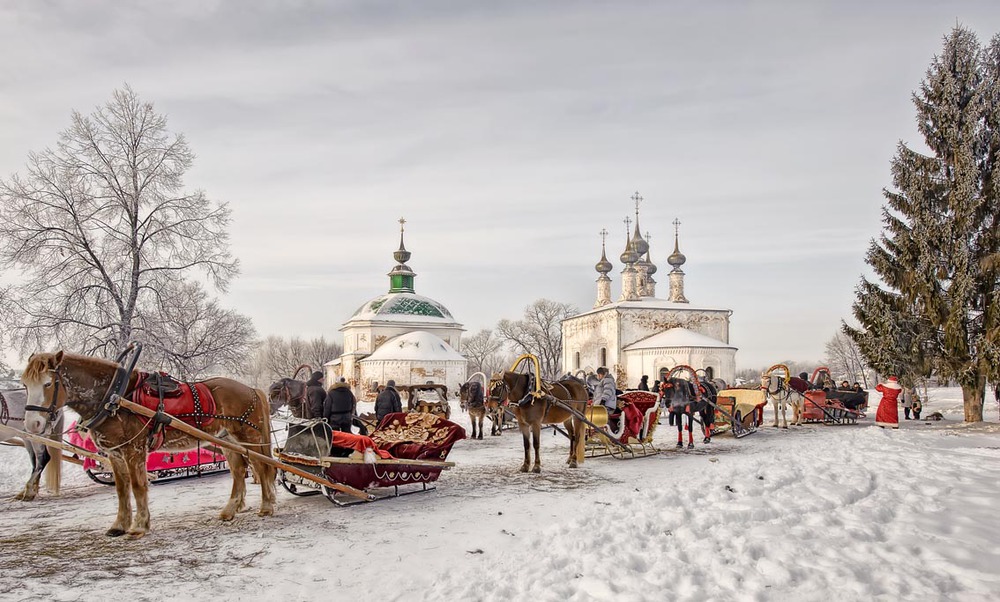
(195,336)
(540,333)
(101,234)
(938,253)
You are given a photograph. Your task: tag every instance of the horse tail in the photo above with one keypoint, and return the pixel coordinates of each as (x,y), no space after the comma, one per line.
(53,470)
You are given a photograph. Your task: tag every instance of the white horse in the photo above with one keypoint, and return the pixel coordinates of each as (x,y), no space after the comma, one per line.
(781,395)
(12,403)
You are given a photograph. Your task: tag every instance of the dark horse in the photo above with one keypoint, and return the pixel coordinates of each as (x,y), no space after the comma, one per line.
(685,398)
(471,395)
(534,411)
(241,415)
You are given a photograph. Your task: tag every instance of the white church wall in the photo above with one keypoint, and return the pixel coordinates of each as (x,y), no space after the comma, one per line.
(638,323)
(587,335)
(449,373)
(651,361)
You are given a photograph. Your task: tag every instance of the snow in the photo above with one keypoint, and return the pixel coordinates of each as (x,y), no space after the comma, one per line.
(418,345)
(809,513)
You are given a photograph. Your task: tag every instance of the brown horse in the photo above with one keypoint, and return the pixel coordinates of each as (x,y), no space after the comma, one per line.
(241,415)
(532,412)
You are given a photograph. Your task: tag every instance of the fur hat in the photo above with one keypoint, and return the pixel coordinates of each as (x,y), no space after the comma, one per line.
(893,383)
(391,383)
(804,375)
(317,375)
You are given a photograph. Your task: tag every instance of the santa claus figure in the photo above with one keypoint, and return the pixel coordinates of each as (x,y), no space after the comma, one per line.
(888,409)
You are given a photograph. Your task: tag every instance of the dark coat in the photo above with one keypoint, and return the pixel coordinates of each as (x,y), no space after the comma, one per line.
(644,383)
(339,407)
(387,402)
(315,396)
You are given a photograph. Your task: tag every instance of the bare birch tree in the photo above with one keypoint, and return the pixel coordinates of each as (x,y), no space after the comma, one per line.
(276,357)
(844,359)
(540,333)
(485,352)
(102,233)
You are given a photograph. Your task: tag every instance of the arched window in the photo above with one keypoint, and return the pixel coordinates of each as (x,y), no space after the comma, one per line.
(604,357)
(576,360)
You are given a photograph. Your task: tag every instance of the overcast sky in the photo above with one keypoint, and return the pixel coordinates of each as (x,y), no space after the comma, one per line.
(509,135)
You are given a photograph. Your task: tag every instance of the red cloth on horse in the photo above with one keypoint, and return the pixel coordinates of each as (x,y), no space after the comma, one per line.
(181,405)
(358,443)
(888,408)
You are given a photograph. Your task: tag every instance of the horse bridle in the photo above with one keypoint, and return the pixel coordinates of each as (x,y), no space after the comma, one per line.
(51,410)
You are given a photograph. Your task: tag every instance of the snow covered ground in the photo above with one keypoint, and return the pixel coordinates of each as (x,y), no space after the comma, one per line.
(811,513)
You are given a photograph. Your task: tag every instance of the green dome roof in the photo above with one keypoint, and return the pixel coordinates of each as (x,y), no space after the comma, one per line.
(403,307)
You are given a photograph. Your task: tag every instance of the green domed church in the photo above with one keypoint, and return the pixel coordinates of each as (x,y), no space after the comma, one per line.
(400,335)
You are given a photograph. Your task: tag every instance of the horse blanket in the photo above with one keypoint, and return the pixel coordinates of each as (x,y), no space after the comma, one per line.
(192,403)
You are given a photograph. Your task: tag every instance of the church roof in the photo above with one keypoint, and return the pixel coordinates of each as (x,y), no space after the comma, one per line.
(403,307)
(418,345)
(647,303)
(677,337)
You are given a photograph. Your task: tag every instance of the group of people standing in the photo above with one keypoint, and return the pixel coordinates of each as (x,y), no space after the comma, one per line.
(339,406)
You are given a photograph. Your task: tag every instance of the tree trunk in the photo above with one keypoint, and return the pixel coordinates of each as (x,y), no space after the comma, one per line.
(972,398)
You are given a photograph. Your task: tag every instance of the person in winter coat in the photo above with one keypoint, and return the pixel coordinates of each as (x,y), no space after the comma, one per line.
(340,406)
(387,402)
(887,415)
(644,383)
(916,406)
(606,391)
(315,396)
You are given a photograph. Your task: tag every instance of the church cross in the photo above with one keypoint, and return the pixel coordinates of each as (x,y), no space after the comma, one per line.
(401,222)
(637,199)
(677,225)
(604,236)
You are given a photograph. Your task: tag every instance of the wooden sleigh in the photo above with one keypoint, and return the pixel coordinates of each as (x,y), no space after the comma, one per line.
(424,439)
(633,437)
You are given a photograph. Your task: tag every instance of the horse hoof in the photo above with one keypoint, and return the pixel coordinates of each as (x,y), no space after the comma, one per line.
(266,512)
(680,445)
(785,426)
(480,436)
(707,440)
(690,445)
(573,465)
(227,516)
(136,534)
(536,469)
(524,468)
(113,532)
(23,497)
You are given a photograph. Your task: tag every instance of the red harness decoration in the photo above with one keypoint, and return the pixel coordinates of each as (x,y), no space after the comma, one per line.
(193,404)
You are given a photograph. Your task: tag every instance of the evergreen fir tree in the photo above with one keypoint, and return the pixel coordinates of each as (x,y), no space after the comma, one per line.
(938,253)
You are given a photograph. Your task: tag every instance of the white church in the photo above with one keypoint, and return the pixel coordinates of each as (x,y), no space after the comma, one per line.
(401,336)
(641,334)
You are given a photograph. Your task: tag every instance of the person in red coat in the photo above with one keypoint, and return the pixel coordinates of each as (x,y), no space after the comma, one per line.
(887,415)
